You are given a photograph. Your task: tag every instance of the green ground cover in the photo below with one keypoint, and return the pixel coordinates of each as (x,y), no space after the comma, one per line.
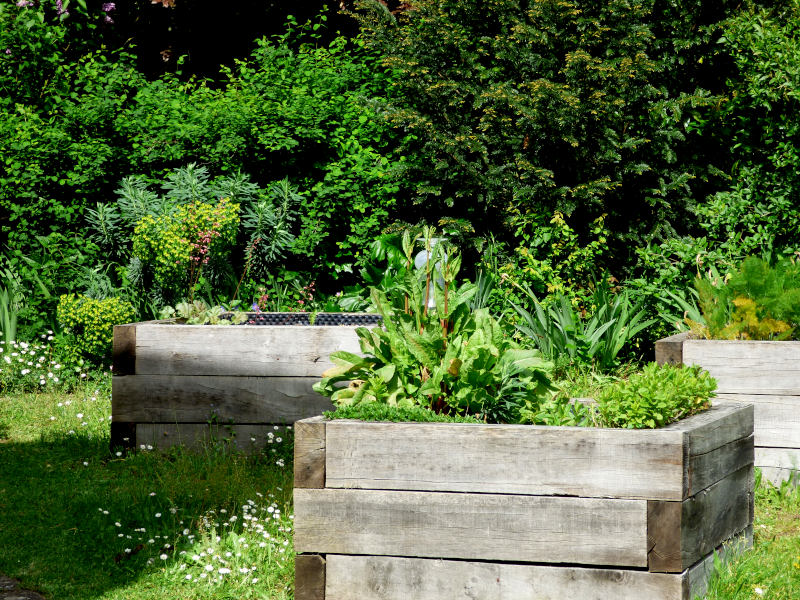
(77,521)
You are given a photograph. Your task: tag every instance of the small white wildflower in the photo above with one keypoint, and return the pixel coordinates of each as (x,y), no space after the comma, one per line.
(223,570)
(163,557)
(188,577)
(85,464)
(158,515)
(118,453)
(255,580)
(79,415)
(52,418)
(209,568)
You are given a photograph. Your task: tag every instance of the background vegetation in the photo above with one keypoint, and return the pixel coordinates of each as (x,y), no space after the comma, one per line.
(563,146)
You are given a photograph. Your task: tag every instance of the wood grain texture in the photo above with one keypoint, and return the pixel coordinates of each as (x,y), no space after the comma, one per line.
(245,438)
(123,350)
(588,531)
(309,453)
(669,350)
(196,399)
(309,577)
(680,533)
(664,537)
(719,442)
(779,464)
(521,459)
(393,578)
(296,351)
(748,367)
(777,418)
(512,459)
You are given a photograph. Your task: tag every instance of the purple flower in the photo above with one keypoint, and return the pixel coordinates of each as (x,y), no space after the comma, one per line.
(60,8)
(109,6)
(24,3)
(108,19)
(8,50)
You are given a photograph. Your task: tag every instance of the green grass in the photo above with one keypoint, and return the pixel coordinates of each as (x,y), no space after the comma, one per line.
(77,521)
(771,570)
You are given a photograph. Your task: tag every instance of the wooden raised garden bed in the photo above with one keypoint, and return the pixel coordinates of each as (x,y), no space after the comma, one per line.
(766,374)
(444,511)
(179,384)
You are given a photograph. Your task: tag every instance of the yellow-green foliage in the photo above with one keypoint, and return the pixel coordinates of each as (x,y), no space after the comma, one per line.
(758,301)
(91,322)
(177,244)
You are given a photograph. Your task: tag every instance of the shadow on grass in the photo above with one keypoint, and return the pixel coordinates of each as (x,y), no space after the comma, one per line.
(69,509)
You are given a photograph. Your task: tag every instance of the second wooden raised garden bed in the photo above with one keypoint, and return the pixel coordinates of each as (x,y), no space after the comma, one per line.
(433,511)
(764,373)
(182,384)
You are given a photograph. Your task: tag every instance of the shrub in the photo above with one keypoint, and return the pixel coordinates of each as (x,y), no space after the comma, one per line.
(89,324)
(518,111)
(177,247)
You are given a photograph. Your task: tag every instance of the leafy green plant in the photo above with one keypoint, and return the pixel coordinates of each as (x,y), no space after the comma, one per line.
(377,411)
(756,301)
(89,324)
(435,351)
(562,335)
(200,313)
(657,396)
(268,224)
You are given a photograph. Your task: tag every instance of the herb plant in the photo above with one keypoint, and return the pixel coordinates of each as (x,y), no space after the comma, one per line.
(657,396)
(435,351)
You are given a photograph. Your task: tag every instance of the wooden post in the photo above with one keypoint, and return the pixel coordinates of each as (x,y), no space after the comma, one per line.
(669,351)
(309,577)
(309,453)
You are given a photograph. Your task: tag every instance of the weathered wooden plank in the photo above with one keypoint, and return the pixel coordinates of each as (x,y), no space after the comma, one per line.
(718,443)
(123,352)
(505,459)
(295,351)
(711,467)
(664,537)
(670,350)
(571,461)
(748,367)
(245,438)
(393,578)
(680,533)
(779,464)
(777,418)
(589,531)
(197,398)
(309,453)
(309,577)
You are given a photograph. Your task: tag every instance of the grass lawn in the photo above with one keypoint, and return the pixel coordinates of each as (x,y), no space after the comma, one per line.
(77,522)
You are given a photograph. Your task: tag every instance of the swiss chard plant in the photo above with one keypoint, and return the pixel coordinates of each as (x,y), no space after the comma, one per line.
(434,350)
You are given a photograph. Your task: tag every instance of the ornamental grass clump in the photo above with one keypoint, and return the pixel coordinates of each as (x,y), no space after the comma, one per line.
(436,351)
